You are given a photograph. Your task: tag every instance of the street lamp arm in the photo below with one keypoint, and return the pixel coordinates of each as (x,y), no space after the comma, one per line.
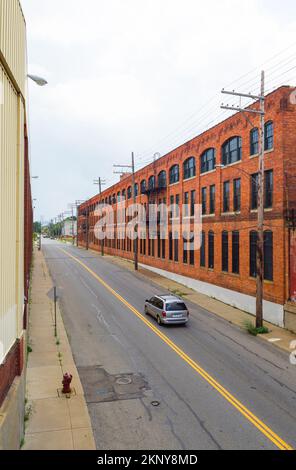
(38,80)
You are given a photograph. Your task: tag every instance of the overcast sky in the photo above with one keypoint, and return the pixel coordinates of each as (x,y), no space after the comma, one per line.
(135,75)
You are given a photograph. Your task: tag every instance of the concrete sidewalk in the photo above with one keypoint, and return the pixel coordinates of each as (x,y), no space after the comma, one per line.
(277,336)
(53,422)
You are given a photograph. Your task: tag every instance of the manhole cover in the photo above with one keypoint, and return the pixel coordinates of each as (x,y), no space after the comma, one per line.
(155,403)
(124,381)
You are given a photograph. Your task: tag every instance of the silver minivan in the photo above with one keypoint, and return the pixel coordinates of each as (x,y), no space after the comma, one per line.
(167,309)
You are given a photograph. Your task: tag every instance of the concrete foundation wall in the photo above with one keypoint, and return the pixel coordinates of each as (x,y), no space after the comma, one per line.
(272,312)
(12,416)
(290,317)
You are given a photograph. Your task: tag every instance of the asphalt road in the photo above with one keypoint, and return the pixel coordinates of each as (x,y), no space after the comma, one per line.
(214,386)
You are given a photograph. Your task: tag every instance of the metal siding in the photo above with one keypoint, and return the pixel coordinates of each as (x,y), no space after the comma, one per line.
(13,39)
(12,122)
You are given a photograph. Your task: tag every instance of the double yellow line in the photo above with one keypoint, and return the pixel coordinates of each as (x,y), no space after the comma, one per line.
(272,436)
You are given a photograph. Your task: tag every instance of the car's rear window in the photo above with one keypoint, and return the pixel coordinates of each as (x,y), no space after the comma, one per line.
(172,306)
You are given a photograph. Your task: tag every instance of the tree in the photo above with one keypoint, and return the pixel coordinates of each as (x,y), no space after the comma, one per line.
(37,227)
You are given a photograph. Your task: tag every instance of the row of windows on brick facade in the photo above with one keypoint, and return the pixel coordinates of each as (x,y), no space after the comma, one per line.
(231,153)
(190,198)
(157,247)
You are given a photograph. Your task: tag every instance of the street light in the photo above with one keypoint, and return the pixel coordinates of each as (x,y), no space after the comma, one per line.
(38,80)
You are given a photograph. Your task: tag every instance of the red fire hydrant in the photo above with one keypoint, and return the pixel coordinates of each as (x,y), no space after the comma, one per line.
(67,379)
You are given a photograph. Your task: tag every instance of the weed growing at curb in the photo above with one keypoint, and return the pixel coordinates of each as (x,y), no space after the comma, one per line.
(178,293)
(28,411)
(252,330)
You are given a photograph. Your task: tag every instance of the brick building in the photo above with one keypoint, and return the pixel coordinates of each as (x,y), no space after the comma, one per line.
(218,169)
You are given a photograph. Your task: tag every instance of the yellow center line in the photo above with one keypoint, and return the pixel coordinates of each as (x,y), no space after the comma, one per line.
(262,427)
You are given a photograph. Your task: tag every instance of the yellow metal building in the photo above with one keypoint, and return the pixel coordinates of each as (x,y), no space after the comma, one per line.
(13,73)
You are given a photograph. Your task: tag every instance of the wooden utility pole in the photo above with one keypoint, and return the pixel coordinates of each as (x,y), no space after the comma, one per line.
(136,227)
(260,191)
(87,227)
(77,204)
(100,182)
(260,241)
(132,169)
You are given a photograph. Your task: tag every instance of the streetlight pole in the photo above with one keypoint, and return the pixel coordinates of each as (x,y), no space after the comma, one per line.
(40,82)
(260,192)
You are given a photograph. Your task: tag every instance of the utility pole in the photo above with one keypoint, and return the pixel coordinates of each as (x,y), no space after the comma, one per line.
(72,207)
(87,227)
(77,204)
(135,241)
(136,227)
(100,182)
(260,191)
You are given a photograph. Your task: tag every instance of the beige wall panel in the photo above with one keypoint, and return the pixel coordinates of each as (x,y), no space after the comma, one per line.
(13,40)
(8,220)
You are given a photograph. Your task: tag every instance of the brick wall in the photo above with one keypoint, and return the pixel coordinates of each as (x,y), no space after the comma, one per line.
(281,158)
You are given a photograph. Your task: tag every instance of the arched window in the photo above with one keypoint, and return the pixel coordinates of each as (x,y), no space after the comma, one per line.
(268,136)
(268,255)
(162,179)
(174,174)
(151,182)
(254,141)
(232,150)
(143,186)
(123,194)
(114,198)
(208,160)
(189,169)
(129,192)
(136,189)
(118,196)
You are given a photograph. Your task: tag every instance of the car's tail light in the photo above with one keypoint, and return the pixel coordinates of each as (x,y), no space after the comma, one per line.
(164,314)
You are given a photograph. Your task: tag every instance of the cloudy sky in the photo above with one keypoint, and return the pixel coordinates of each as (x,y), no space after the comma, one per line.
(142,76)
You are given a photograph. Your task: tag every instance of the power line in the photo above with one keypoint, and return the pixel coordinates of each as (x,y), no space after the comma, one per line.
(180,130)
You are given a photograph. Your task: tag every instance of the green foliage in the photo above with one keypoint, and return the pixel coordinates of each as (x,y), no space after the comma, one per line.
(251,328)
(37,227)
(28,411)
(178,292)
(263,330)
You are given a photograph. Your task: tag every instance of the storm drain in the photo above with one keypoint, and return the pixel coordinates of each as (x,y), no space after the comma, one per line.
(99,386)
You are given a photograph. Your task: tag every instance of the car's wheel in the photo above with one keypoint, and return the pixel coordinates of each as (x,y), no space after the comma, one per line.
(159,320)
(146,311)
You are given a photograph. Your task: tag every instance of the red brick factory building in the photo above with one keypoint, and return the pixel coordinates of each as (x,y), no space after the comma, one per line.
(217,169)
